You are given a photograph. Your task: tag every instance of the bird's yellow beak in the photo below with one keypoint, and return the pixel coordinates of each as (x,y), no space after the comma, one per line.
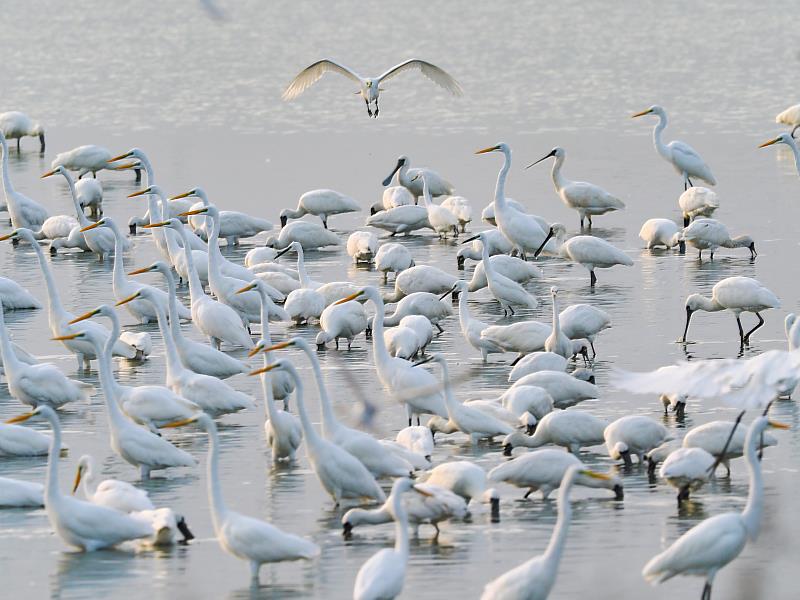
(279,346)
(643,113)
(128,299)
(769,142)
(84,316)
(183,195)
(182,422)
(19,418)
(120,157)
(139,193)
(777,425)
(264,369)
(63,338)
(125,166)
(94,225)
(78,476)
(8,236)
(350,297)
(595,475)
(485,150)
(198,211)
(246,288)
(151,225)
(49,174)
(140,271)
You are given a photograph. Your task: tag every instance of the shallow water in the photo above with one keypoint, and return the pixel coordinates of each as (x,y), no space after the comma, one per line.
(202,98)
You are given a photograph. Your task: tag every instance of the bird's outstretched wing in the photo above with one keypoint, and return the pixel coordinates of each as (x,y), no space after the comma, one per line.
(431,71)
(311,74)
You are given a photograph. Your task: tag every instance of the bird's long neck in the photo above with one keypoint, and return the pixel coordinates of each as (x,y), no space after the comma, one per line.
(9,358)
(8,187)
(329,421)
(751,515)
(214,253)
(488,268)
(88,482)
(427,200)
(709,304)
(74,193)
(311,435)
(382,356)
(51,491)
(377,516)
(107,353)
(218,509)
(463,311)
(119,265)
(500,188)
(174,364)
(558,179)
(195,287)
(402,175)
(56,311)
(294,213)
(741,241)
(107,382)
(148,171)
(559,536)
(400,526)
(174,317)
(450,402)
(266,338)
(791,143)
(305,281)
(657,141)
(556,320)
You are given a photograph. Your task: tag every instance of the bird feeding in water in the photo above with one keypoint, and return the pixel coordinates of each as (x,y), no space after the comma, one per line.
(370,87)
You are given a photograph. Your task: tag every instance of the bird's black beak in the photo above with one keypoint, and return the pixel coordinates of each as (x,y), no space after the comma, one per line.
(460,260)
(544,243)
(689,312)
(282,252)
(507,450)
(372,210)
(474,237)
(185,531)
(347,531)
(422,361)
(41,142)
(552,153)
(388,179)
(284,219)
(452,290)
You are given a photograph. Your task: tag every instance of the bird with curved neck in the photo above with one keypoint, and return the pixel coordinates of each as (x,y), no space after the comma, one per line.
(586,198)
(533,580)
(685,159)
(232,224)
(471,328)
(24,211)
(787,139)
(442,220)
(557,342)
(253,540)
(81,524)
(708,547)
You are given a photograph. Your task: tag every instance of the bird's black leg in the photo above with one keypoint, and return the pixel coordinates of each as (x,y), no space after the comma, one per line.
(592,278)
(376,108)
(581,222)
(749,333)
(741,331)
(589,218)
(685,185)
(325,223)
(712,255)
(369,110)
(594,352)
(439,327)
(18,148)
(706,592)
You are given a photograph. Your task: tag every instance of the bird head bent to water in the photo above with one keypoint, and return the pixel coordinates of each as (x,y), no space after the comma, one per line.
(401,161)
(693,303)
(557,152)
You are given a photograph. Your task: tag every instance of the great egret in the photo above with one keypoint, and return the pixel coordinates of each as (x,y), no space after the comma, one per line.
(738,295)
(696,202)
(472,328)
(149,405)
(435,505)
(497,243)
(543,470)
(15,493)
(321,203)
(661,232)
(686,161)
(15,297)
(112,493)
(724,440)
(634,435)
(790,116)
(136,445)
(341,320)
(787,139)
(59,318)
(362,246)
(441,218)
(686,469)
(233,225)
(341,474)
(710,234)
(249,539)
(461,208)
(15,125)
(401,219)
(384,574)
(80,524)
(584,322)
(709,546)
(24,212)
(310,235)
(589,251)
(586,198)
(369,87)
(211,394)
(557,342)
(392,258)
(87,159)
(22,441)
(572,429)
(533,580)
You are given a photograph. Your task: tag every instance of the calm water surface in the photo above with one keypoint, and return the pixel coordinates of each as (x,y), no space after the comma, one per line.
(202,99)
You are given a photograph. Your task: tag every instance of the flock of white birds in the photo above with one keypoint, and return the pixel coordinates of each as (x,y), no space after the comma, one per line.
(354,467)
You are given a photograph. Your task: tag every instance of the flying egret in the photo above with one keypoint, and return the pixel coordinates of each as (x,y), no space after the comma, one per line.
(370,87)
(686,161)
(710,234)
(709,546)
(586,198)
(737,295)
(15,125)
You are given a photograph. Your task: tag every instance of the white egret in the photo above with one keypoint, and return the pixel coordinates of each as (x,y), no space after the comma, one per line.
(410,179)
(634,435)
(80,524)
(686,161)
(686,469)
(321,203)
(787,139)
(589,251)
(441,218)
(87,159)
(533,580)
(461,208)
(543,470)
(565,389)
(724,440)
(790,116)
(392,258)
(112,493)
(426,304)
(136,445)
(211,394)
(22,355)
(22,441)
(362,246)
(421,278)
(512,267)
(310,235)
(38,383)
(661,232)
(249,539)
(305,302)
(572,429)
(709,546)
(434,505)
(472,328)
(697,201)
(792,327)
(557,342)
(15,125)
(416,387)
(23,211)
(15,493)
(737,295)
(401,219)
(341,474)
(710,234)
(15,297)
(57,226)
(341,320)
(497,243)
(384,574)
(586,198)
(233,225)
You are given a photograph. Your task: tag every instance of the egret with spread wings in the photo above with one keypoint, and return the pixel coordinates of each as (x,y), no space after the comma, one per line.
(370,86)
